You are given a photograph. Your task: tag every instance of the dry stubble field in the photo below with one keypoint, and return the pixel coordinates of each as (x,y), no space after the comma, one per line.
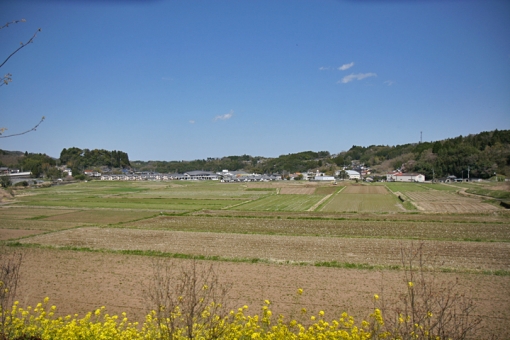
(73,255)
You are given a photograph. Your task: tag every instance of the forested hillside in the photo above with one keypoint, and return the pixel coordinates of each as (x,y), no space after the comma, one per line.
(36,163)
(77,158)
(301,161)
(483,155)
(42,165)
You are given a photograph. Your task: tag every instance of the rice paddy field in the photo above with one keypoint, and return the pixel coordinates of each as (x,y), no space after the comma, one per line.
(92,244)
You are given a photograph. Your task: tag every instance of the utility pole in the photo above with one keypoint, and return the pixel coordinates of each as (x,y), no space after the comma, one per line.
(468,173)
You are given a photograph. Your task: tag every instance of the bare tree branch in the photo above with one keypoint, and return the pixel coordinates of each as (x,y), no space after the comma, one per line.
(12,22)
(21,133)
(5,80)
(22,45)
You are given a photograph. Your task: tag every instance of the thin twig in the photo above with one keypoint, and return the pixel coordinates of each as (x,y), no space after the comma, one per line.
(22,133)
(22,45)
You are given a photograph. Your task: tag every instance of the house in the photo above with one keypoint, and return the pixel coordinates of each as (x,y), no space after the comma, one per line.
(201,175)
(320,176)
(352,174)
(324,178)
(398,176)
(92,173)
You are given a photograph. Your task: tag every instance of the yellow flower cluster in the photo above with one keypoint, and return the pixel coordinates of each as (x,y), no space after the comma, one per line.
(42,323)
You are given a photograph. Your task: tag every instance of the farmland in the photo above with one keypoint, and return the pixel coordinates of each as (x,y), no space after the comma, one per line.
(364,198)
(91,244)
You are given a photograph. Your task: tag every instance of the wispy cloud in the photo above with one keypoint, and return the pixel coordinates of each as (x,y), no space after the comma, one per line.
(359,76)
(346,66)
(225,116)
(389,82)
(322,68)
(192,122)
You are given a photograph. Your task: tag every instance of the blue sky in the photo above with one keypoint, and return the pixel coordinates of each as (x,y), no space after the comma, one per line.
(184,80)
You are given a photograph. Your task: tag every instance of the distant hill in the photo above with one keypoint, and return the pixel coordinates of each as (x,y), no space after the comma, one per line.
(10,158)
(74,158)
(482,154)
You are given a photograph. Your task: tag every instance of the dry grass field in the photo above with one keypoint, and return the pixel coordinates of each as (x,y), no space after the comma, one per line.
(297,191)
(447,202)
(263,241)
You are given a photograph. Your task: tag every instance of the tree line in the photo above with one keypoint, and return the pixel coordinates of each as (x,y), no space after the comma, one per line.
(78,160)
(297,162)
(81,159)
(484,155)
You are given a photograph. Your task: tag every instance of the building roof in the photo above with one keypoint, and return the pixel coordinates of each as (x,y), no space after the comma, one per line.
(408,174)
(200,173)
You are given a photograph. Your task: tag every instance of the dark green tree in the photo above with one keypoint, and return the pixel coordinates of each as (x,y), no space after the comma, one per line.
(5,181)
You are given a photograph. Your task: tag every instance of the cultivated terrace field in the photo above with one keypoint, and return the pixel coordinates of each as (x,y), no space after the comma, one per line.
(93,244)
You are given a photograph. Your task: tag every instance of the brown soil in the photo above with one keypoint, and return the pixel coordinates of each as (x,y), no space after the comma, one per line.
(78,282)
(448,203)
(4,195)
(7,234)
(505,186)
(440,254)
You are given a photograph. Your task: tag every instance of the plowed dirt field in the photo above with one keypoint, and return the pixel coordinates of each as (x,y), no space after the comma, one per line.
(476,256)
(78,282)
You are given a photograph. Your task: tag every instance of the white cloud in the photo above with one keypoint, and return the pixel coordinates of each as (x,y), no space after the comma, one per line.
(346,66)
(389,82)
(192,122)
(359,76)
(322,68)
(225,116)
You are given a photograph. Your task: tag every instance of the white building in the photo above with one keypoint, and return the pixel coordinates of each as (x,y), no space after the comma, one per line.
(324,178)
(405,177)
(352,174)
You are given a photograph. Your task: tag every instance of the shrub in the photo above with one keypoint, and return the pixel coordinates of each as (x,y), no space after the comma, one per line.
(10,265)
(428,309)
(187,300)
